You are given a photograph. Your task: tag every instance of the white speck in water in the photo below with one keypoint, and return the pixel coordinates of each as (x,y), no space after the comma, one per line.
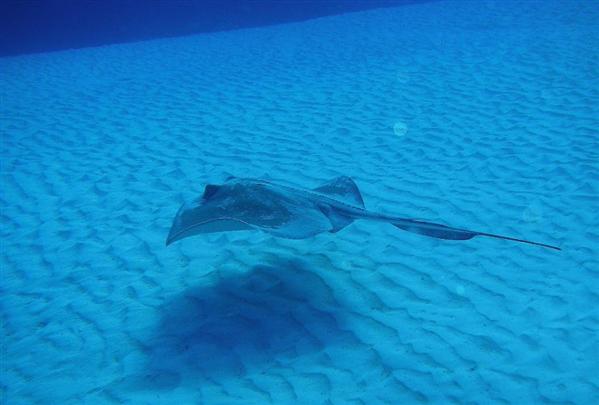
(400,129)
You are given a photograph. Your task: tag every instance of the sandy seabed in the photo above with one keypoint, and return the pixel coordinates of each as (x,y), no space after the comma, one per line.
(487,122)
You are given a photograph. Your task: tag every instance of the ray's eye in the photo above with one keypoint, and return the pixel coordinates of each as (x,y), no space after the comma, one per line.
(209,191)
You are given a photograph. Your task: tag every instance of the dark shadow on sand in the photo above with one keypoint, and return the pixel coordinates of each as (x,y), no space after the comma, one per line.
(250,320)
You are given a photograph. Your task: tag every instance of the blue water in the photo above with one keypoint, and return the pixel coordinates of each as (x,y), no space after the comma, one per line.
(480,115)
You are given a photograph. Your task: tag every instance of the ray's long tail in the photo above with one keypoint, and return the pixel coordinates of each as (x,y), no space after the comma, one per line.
(445,232)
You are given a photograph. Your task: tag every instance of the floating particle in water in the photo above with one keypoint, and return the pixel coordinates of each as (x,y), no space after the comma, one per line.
(400,128)
(460,289)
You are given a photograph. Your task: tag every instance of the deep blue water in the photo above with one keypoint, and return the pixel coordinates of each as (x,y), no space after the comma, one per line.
(39,26)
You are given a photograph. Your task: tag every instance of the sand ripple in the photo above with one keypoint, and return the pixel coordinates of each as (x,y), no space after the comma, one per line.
(498,125)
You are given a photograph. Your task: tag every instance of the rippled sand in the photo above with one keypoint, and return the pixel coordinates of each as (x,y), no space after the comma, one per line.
(487,122)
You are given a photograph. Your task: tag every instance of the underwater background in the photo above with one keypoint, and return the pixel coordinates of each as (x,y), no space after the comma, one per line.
(479,114)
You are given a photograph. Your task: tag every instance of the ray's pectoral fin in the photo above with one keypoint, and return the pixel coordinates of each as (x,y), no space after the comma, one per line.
(304,222)
(338,221)
(446,232)
(195,219)
(343,189)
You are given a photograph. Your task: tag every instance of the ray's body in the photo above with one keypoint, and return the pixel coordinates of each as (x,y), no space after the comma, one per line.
(295,213)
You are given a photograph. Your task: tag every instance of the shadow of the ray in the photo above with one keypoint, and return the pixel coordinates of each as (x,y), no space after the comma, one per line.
(255,319)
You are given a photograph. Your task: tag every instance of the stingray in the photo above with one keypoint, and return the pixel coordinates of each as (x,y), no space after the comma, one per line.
(294,213)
